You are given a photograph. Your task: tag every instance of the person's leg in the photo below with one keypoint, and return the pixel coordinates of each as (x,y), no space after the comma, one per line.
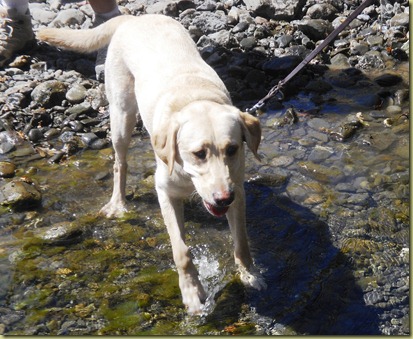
(104,10)
(16,30)
(20,6)
(108,8)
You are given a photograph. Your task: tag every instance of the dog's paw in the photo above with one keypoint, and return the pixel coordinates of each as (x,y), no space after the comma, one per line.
(252,278)
(112,210)
(193,294)
(193,303)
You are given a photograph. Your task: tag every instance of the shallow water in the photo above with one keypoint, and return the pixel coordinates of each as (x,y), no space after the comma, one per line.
(328,223)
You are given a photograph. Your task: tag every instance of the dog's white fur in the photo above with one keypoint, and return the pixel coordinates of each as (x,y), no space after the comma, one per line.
(153,70)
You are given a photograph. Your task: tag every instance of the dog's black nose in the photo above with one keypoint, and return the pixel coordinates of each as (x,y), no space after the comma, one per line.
(223,198)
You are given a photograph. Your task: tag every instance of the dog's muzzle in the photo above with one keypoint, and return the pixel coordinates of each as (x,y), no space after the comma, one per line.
(222,201)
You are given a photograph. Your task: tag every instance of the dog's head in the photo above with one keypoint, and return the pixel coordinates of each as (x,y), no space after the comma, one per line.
(207,141)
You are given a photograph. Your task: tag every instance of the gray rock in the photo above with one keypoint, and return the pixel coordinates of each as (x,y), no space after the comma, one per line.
(233,16)
(340,60)
(6,146)
(19,195)
(240,27)
(400,19)
(76,94)
(68,17)
(82,108)
(275,9)
(248,43)
(209,22)
(48,94)
(41,13)
(323,11)
(358,48)
(284,40)
(222,38)
(315,29)
(89,138)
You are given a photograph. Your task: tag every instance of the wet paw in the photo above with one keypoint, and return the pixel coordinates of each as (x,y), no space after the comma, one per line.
(112,210)
(252,278)
(193,295)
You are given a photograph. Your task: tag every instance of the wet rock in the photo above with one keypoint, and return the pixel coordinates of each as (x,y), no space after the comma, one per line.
(7,169)
(82,108)
(51,133)
(387,80)
(315,29)
(6,146)
(89,138)
(340,60)
(240,27)
(320,172)
(19,195)
(49,93)
(320,154)
(61,233)
(76,94)
(35,135)
(282,161)
(278,66)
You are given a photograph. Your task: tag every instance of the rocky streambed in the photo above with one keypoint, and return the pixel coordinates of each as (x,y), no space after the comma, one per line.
(328,206)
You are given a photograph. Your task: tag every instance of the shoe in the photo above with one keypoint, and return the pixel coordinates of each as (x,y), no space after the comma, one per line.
(16,33)
(101,54)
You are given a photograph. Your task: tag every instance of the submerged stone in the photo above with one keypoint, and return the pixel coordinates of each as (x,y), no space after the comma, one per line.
(7,169)
(19,195)
(62,232)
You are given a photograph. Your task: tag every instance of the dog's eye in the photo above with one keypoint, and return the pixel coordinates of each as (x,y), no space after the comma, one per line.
(231,150)
(200,154)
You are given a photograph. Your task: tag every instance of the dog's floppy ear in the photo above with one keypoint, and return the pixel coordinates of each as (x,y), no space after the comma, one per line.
(251,128)
(164,143)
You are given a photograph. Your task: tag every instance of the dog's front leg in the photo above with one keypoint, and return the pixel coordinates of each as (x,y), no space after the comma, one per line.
(193,294)
(236,219)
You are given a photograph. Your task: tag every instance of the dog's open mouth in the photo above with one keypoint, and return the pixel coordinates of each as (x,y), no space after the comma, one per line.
(216,211)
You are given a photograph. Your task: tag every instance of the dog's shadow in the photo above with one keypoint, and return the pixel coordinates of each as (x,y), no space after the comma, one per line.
(311,287)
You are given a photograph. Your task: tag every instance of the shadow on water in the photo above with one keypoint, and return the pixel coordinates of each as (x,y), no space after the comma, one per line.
(311,287)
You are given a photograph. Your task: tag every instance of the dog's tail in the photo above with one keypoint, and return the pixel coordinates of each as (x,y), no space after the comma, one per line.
(82,40)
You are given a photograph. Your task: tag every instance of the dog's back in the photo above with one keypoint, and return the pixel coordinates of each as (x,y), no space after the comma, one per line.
(160,34)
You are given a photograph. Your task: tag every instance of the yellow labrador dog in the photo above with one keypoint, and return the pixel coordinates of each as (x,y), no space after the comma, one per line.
(153,70)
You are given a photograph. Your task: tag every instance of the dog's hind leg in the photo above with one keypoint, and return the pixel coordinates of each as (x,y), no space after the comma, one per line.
(123,116)
(122,125)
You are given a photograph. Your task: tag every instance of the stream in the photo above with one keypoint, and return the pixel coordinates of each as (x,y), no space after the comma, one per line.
(327,218)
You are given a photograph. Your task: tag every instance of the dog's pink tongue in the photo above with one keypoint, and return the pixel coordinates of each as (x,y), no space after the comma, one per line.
(216,211)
